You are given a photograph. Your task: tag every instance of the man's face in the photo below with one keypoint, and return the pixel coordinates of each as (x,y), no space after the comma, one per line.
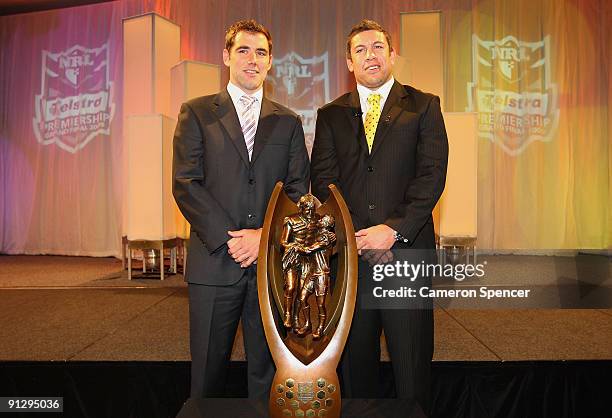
(371,59)
(249,61)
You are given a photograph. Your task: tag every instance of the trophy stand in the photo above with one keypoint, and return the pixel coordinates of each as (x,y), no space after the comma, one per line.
(293,278)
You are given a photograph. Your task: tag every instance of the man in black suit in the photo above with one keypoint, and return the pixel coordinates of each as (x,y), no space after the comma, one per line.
(230,149)
(384,145)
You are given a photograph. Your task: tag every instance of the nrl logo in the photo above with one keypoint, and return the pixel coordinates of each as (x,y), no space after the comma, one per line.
(75,103)
(302,83)
(512,92)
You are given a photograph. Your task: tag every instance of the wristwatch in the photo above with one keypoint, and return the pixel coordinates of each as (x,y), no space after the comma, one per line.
(399,237)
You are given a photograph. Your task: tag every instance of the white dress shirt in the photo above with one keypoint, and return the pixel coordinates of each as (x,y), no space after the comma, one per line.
(236,93)
(364,92)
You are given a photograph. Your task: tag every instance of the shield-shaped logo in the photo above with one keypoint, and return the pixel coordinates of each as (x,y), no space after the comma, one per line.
(75,103)
(506,56)
(513,114)
(302,83)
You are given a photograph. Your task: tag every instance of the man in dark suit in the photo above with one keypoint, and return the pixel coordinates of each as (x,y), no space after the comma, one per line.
(384,146)
(230,149)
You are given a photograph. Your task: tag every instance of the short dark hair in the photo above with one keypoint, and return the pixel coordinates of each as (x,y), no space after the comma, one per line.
(247,25)
(363,26)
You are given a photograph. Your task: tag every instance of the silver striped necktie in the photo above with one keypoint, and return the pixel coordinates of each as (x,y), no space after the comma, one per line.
(248,121)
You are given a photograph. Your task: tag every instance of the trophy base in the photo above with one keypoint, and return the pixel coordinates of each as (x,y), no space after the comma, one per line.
(309,393)
(249,408)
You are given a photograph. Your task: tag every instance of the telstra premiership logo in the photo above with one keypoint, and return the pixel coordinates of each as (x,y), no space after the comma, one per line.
(75,103)
(302,83)
(512,92)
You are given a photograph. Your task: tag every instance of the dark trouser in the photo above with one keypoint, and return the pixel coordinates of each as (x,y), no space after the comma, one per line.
(409,336)
(214,312)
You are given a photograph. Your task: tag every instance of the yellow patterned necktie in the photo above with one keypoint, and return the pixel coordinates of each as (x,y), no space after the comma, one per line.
(371,120)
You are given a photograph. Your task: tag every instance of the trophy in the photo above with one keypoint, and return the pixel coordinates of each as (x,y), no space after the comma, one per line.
(305,311)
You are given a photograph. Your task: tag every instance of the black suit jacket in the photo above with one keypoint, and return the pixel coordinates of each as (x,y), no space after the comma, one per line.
(218,189)
(399,183)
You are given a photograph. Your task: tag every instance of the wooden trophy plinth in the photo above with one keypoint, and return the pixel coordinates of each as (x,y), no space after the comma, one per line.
(306,313)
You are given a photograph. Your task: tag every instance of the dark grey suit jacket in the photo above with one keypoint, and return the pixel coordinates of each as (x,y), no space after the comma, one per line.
(218,189)
(399,183)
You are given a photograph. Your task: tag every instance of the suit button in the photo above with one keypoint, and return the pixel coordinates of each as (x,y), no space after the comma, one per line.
(251,181)
(370,169)
(372,206)
(250,216)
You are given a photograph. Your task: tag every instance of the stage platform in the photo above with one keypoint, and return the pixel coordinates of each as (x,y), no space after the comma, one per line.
(76,327)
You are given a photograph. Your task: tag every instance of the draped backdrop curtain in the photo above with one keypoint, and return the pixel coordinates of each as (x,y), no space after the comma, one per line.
(544,158)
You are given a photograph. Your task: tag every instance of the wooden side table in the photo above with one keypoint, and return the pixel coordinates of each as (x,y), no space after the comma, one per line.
(454,243)
(176,246)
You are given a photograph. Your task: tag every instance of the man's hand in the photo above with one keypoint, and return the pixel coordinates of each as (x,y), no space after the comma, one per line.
(244,246)
(378,237)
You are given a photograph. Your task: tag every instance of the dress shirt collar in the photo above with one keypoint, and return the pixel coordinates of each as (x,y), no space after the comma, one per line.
(236,93)
(383,90)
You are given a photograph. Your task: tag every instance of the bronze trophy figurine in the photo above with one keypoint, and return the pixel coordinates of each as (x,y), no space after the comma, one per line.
(298,233)
(294,268)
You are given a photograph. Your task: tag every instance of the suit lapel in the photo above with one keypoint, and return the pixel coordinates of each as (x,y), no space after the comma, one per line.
(265,126)
(225,110)
(355,119)
(392,109)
